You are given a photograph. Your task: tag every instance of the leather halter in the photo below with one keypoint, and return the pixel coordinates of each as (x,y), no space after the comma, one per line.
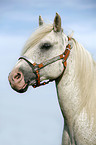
(36,67)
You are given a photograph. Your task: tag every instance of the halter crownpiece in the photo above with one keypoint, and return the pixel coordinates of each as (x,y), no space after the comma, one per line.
(36,67)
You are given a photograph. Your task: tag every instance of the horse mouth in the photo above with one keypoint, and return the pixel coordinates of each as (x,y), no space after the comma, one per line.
(23,89)
(21,86)
(26,85)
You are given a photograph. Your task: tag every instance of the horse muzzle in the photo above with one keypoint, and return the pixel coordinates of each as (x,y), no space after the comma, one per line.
(17,82)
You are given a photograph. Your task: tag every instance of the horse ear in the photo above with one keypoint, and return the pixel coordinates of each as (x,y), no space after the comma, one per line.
(57,23)
(40,21)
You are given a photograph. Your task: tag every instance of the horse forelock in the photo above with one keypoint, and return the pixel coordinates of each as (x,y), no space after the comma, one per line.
(37,36)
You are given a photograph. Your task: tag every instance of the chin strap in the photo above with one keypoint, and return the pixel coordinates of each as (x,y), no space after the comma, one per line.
(36,67)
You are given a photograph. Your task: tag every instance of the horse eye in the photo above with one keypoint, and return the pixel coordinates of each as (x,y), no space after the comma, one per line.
(46,46)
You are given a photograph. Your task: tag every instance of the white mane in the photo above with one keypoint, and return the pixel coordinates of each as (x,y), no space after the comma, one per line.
(86,74)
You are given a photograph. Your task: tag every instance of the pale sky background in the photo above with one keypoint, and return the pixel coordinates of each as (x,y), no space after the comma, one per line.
(34,118)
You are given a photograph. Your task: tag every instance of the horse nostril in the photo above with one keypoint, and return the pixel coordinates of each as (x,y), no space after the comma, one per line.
(17,76)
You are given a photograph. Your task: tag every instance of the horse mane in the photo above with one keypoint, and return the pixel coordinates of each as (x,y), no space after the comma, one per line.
(85,72)
(41,32)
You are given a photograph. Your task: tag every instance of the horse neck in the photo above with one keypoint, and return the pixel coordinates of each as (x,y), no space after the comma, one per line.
(70,85)
(66,90)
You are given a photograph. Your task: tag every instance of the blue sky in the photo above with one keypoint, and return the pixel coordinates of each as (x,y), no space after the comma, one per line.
(35,117)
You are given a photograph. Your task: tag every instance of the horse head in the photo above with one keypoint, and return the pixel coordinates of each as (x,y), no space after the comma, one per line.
(47,42)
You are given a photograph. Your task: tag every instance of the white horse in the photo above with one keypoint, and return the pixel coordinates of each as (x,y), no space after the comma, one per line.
(44,57)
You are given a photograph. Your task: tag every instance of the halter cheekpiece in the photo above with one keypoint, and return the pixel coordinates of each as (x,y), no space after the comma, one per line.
(36,67)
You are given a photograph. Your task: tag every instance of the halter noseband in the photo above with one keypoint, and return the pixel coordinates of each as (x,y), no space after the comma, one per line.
(36,67)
